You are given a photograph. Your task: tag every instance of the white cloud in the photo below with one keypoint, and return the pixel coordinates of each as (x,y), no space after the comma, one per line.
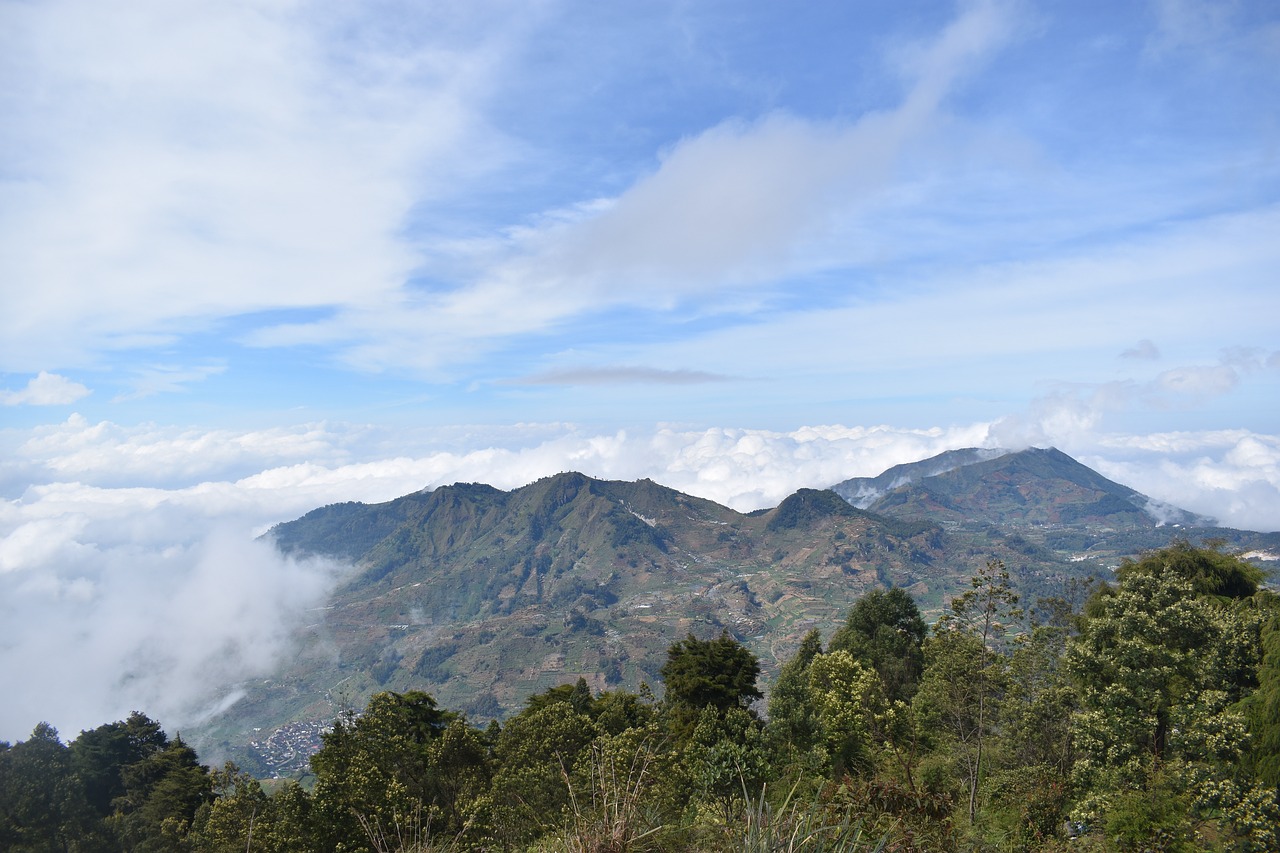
(177,169)
(725,212)
(116,596)
(1230,475)
(107,453)
(46,389)
(94,628)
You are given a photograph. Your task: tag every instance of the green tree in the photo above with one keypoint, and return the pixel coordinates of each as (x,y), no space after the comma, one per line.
(845,693)
(228,822)
(983,614)
(1038,706)
(962,684)
(613,799)
(719,673)
(1210,571)
(43,806)
(726,759)
(102,754)
(1159,666)
(793,718)
(1262,707)
(162,794)
(884,630)
(376,775)
(535,754)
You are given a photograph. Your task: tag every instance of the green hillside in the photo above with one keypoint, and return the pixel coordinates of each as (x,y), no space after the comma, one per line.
(483,597)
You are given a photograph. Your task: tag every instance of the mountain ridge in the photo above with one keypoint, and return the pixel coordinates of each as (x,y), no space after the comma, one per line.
(482,596)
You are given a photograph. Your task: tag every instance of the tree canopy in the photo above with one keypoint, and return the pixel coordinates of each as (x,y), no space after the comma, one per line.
(1148,723)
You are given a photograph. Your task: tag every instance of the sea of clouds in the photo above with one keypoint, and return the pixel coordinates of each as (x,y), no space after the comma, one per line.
(132,575)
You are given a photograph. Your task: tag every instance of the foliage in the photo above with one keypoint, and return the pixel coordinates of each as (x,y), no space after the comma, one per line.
(719,674)
(1262,707)
(844,694)
(1159,665)
(799,827)
(885,631)
(1148,722)
(793,717)
(966,651)
(1209,570)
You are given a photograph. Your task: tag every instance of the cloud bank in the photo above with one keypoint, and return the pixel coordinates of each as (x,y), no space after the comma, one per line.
(122,597)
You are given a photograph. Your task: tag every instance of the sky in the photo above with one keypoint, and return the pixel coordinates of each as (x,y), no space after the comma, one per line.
(264,255)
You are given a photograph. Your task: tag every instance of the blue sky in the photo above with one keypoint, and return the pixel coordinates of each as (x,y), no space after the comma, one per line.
(260,256)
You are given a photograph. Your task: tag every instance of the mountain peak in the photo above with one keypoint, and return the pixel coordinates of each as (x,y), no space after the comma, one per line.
(1035,486)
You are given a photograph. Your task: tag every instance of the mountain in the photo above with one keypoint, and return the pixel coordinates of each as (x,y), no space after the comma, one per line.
(482,596)
(1034,487)
(862,492)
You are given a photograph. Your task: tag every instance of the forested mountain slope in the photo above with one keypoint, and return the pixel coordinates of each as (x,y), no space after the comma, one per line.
(482,596)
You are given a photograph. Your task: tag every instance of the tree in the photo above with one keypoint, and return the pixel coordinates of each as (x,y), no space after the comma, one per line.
(535,753)
(1039,703)
(962,684)
(726,758)
(42,801)
(1262,707)
(1209,570)
(162,794)
(1159,664)
(375,773)
(793,719)
(884,630)
(719,673)
(845,693)
(230,820)
(983,614)
(103,753)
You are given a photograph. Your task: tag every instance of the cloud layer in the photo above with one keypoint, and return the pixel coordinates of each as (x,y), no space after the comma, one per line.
(157,597)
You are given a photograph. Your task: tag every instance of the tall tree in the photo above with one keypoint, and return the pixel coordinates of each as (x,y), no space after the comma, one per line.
(884,630)
(374,774)
(984,614)
(1262,706)
(162,794)
(103,753)
(845,694)
(793,718)
(719,673)
(535,753)
(1159,664)
(42,801)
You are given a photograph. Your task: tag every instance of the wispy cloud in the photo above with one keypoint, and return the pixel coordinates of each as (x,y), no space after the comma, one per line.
(1144,350)
(178,169)
(726,210)
(45,389)
(621,375)
(167,379)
